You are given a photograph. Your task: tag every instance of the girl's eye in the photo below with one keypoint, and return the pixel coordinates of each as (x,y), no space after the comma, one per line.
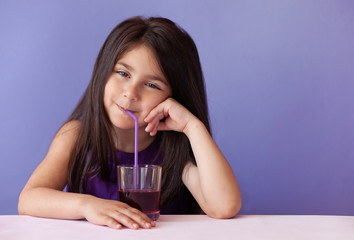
(152,86)
(122,73)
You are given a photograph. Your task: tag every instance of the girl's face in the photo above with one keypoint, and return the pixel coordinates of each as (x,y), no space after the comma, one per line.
(137,84)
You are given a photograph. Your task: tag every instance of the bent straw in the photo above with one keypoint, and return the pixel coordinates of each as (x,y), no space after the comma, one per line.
(136,164)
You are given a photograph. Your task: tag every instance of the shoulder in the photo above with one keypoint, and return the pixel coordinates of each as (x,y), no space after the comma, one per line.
(67,134)
(69,128)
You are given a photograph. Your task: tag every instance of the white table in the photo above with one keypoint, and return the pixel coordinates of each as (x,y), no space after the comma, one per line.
(185,227)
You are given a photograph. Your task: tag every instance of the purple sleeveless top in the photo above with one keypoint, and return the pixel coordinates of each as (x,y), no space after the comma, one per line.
(109,190)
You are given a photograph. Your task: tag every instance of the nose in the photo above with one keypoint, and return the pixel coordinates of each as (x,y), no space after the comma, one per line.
(131,92)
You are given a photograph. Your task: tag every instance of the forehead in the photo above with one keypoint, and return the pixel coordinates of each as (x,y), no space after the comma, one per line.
(141,57)
(139,51)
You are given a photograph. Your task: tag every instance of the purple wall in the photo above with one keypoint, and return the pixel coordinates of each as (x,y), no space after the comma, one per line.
(279,75)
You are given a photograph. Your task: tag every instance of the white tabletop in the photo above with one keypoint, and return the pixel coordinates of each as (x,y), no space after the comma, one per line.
(186,227)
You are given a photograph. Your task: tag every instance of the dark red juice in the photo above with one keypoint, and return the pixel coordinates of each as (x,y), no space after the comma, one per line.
(145,200)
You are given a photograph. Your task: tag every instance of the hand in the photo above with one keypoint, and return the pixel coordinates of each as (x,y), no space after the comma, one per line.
(176,117)
(114,214)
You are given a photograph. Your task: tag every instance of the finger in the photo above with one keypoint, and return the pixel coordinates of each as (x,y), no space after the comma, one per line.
(125,220)
(152,126)
(156,128)
(112,223)
(137,216)
(160,111)
(162,126)
(140,218)
(155,115)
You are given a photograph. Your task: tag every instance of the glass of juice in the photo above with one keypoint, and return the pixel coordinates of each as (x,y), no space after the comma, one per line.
(139,187)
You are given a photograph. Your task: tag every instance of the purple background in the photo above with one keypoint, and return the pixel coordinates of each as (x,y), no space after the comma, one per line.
(279,76)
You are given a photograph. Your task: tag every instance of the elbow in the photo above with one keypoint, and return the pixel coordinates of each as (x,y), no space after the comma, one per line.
(225,211)
(21,206)
(20,211)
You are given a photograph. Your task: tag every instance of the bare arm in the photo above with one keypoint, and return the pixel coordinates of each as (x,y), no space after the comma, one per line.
(43,196)
(212,183)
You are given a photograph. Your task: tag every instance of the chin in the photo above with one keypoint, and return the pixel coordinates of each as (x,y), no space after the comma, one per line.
(123,126)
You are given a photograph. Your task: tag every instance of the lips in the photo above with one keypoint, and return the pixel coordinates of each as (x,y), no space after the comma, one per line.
(124,109)
(121,108)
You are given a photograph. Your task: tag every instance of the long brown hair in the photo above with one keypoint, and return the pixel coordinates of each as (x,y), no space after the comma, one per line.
(179,61)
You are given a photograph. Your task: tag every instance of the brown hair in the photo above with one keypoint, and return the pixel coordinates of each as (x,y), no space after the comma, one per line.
(179,61)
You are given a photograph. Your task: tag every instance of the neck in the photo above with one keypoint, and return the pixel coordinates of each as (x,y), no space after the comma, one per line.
(126,140)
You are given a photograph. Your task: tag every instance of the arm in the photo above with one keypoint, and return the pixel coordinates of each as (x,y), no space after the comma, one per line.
(212,183)
(43,196)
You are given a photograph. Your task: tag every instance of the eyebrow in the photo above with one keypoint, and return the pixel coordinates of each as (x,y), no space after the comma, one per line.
(153,77)
(130,68)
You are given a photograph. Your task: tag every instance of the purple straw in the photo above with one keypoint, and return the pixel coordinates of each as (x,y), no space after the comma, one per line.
(136,147)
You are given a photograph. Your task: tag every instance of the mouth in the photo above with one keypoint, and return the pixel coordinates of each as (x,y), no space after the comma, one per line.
(124,109)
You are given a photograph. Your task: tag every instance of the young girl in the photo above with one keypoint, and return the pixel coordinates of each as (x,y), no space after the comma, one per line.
(150,67)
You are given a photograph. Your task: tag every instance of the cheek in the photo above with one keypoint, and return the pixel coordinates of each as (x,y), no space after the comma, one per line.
(148,107)
(111,89)
(106,96)
(153,102)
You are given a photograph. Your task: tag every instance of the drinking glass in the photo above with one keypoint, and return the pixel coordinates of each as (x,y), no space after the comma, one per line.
(139,187)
